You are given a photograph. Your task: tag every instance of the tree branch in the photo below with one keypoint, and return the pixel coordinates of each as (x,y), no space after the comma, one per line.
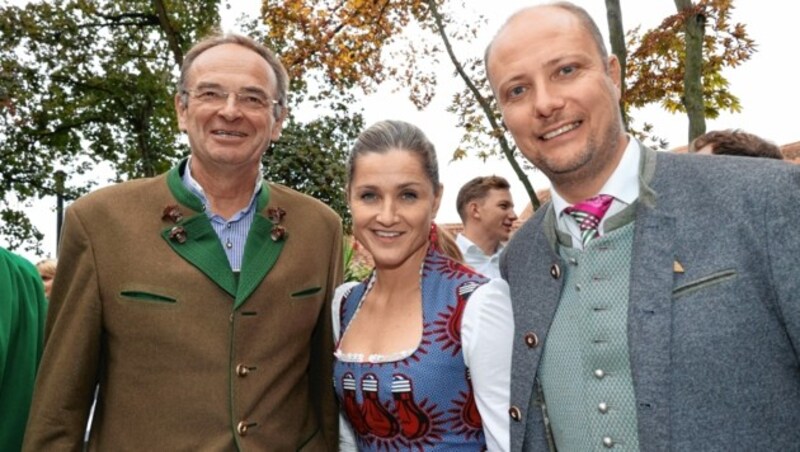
(122,20)
(83,85)
(118,23)
(173,37)
(488,111)
(64,127)
(119,17)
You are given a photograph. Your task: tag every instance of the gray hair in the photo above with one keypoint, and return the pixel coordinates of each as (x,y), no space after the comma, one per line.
(281,76)
(583,17)
(385,136)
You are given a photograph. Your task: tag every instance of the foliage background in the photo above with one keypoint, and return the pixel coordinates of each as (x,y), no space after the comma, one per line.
(87,86)
(764,86)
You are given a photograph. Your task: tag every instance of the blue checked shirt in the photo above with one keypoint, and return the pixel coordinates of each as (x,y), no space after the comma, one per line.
(233,232)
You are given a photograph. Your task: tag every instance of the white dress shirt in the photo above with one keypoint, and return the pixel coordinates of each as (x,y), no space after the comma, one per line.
(474,256)
(623,185)
(487,334)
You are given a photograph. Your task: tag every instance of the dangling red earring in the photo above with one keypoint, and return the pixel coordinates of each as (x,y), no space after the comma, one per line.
(433,237)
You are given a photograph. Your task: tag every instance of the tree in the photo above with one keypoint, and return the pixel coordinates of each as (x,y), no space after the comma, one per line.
(666,66)
(485,101)
(694,29)
(616,34)
(309,158)
(89,83)
(344,41)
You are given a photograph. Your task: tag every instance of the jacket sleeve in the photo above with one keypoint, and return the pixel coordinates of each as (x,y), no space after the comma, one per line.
(782,219)
(69,368)
(22,311)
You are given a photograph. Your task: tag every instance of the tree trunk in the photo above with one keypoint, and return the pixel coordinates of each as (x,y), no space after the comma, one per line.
(693,76)
(616,34)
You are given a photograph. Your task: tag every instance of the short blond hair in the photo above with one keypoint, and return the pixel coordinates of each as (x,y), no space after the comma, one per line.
(47,267)
(478,189)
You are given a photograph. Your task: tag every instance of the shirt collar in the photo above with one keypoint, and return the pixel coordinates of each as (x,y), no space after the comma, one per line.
(466,244)
(623,184)
(193,186)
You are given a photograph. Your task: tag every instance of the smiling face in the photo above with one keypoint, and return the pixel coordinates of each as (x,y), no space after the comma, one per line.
(393,203)
(228,136)
(559,98)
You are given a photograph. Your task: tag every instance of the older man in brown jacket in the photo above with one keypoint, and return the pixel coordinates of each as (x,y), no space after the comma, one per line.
(198,300)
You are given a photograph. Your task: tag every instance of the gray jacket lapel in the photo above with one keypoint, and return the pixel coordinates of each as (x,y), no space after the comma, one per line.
(650,307)
(535,275)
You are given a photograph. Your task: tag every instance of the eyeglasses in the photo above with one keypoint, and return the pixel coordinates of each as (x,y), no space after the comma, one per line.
(248,100)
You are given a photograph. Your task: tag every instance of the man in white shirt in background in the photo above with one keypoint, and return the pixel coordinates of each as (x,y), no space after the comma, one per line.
(487,211)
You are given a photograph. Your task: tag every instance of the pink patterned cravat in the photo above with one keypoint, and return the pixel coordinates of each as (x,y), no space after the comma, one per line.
(588,214)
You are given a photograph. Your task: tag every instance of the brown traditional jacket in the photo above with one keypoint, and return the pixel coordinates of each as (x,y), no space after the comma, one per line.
(187,354)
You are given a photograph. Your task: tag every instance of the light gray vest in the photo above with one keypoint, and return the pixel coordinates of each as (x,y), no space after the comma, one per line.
(585,370)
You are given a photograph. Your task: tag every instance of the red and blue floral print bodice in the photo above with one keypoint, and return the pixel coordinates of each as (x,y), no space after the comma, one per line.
(421,399)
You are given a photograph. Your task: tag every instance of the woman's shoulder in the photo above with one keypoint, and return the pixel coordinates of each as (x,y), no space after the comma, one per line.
(343,291)
(344,288)
(340,294)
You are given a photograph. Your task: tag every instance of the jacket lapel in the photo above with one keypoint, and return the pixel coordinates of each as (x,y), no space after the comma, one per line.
(202,249)
(199,244)
(650,308)
(193,238)
(261,251)
(535,276)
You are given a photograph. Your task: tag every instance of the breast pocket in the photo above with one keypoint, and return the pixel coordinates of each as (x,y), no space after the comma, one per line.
(141,293)
(306,293)
(703,283)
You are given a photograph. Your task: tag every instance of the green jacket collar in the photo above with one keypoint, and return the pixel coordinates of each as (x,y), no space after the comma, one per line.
(193,238)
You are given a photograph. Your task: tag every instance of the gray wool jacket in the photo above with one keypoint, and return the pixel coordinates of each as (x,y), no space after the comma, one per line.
(714,312)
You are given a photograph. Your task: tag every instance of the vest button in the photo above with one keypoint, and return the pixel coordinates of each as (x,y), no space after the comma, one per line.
(555,271)
(242,427)
(602,407)
(608,443)
(515,413)
(242,370)
(599,374)
(531,340)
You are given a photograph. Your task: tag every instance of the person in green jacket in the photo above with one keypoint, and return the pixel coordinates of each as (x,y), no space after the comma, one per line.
(23,309)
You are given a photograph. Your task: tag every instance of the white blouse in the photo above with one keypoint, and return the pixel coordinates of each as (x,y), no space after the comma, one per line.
(487,333)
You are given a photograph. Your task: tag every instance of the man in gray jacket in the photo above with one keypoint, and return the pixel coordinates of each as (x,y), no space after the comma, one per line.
(656,298)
